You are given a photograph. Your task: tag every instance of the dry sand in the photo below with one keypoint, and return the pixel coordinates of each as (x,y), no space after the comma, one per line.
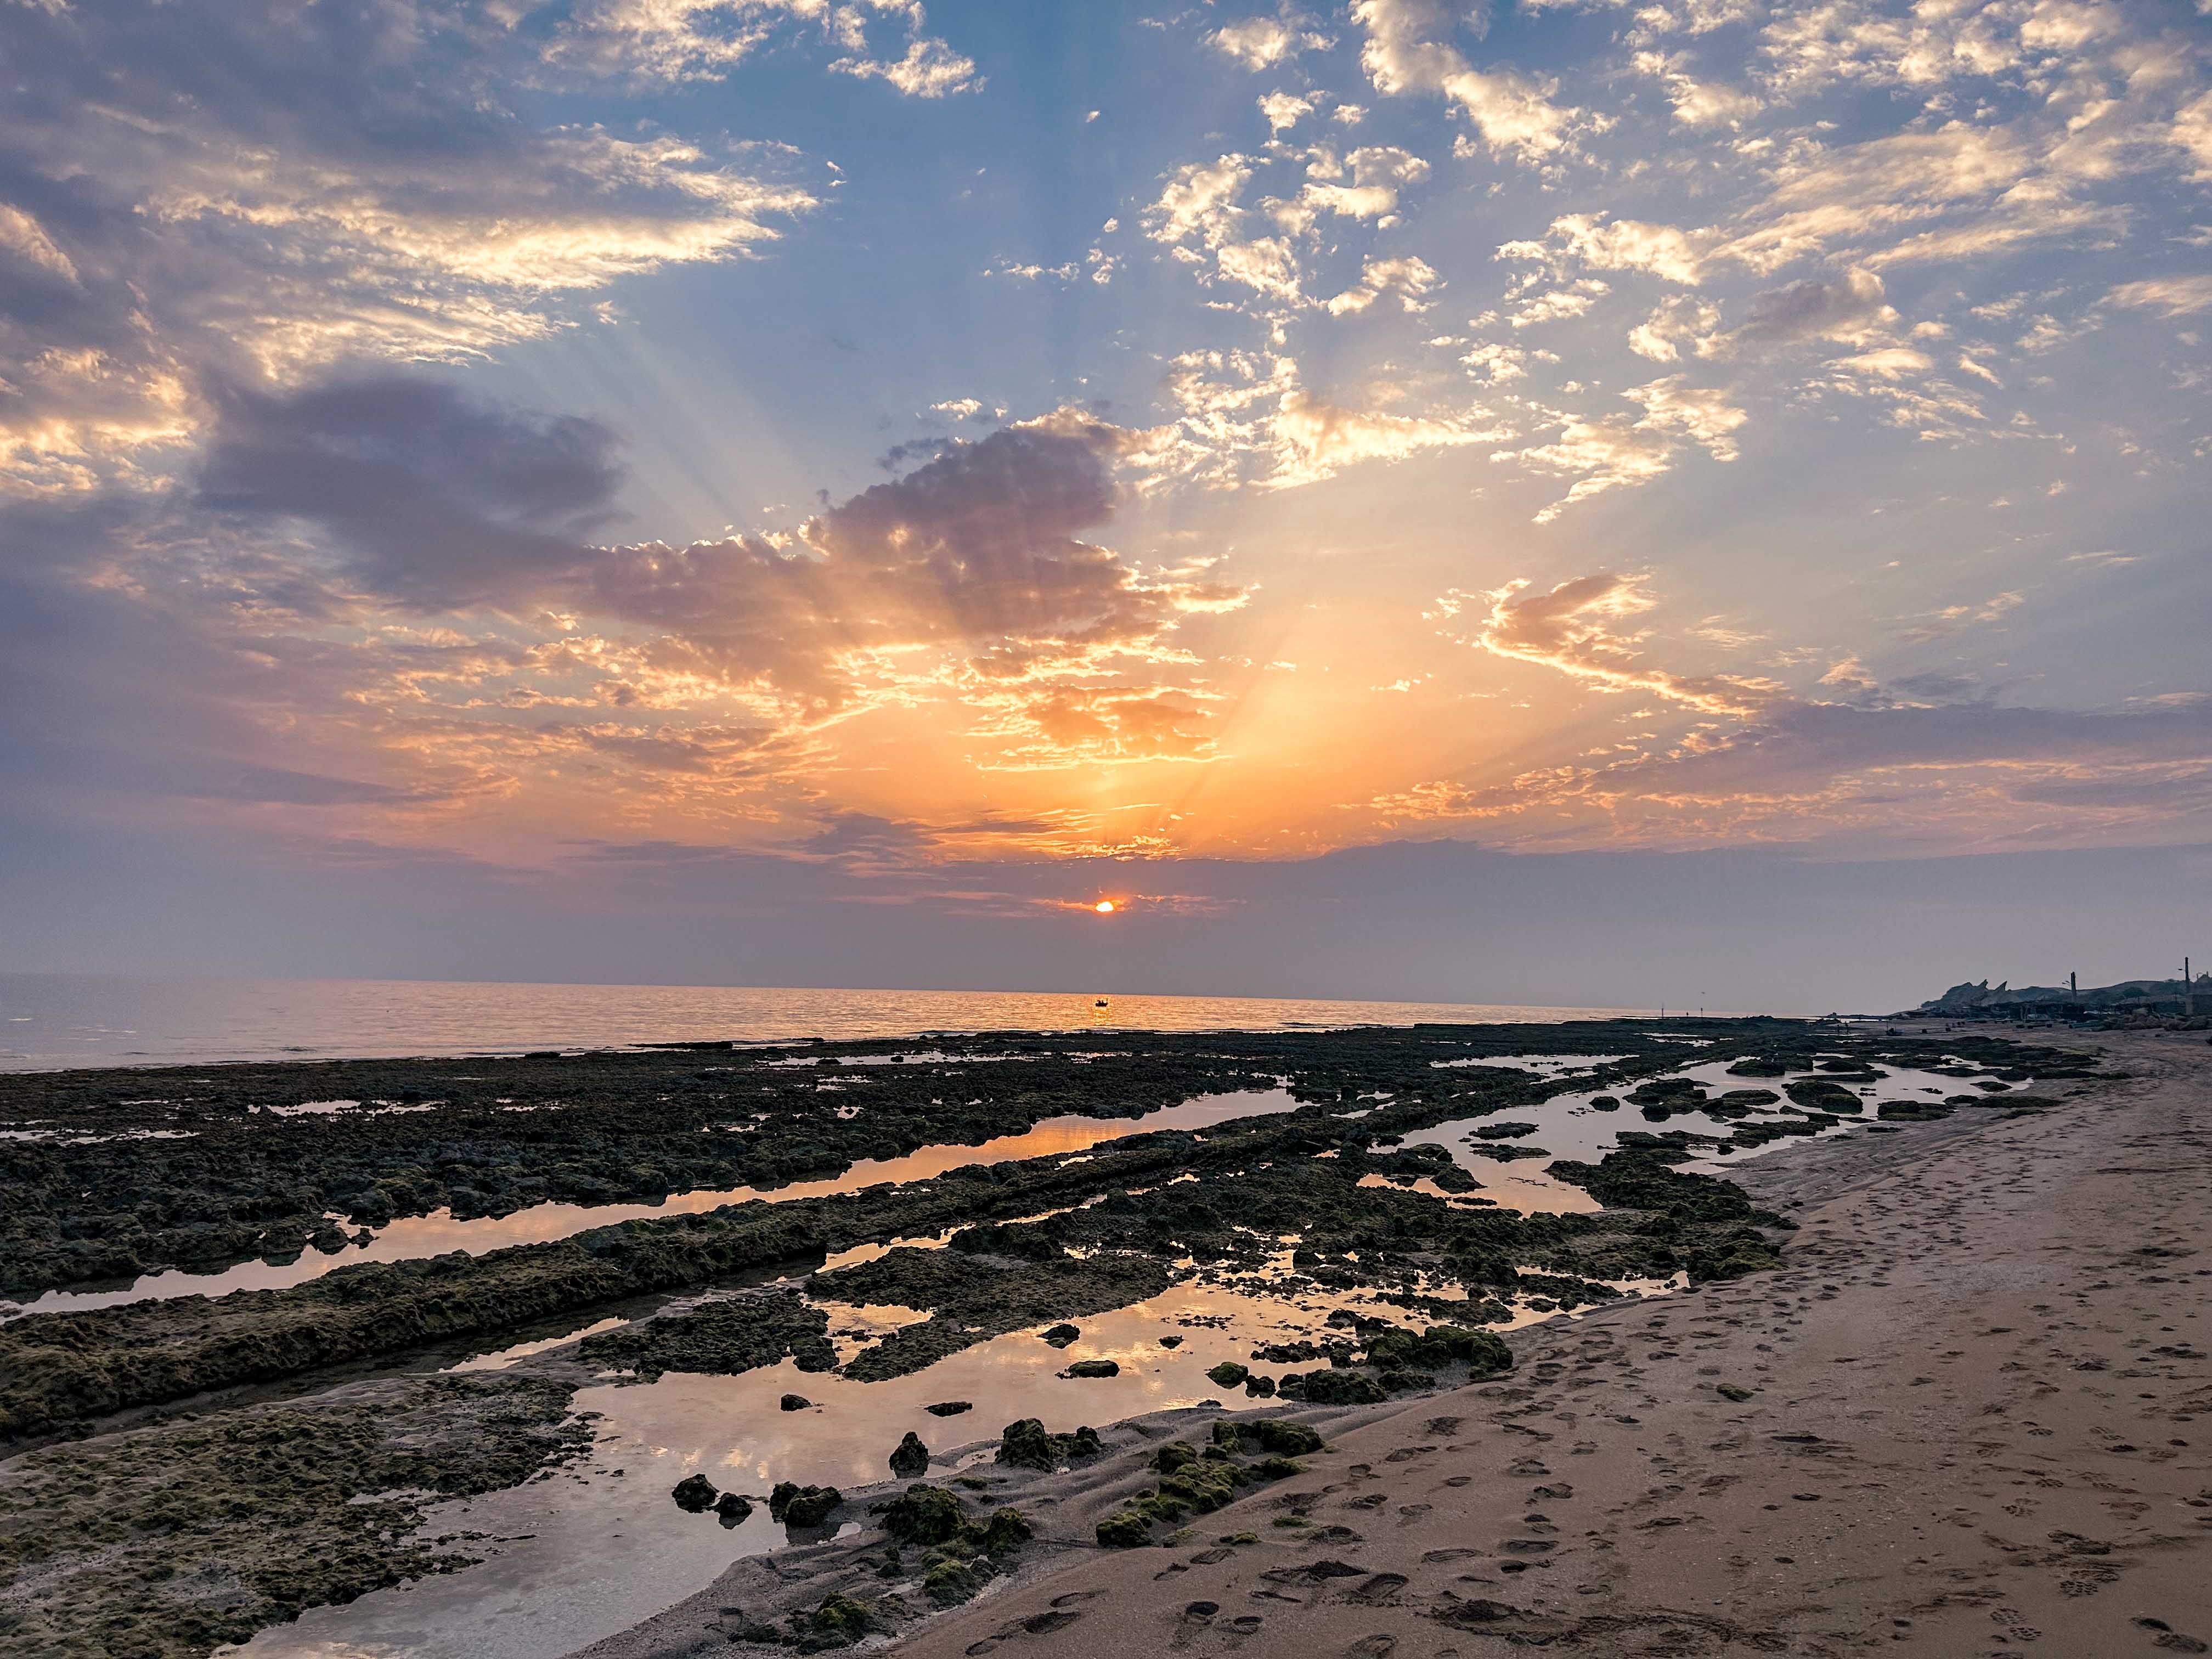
(1974,1430)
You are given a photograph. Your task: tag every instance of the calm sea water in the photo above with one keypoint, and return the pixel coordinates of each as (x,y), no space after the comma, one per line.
(49,1021)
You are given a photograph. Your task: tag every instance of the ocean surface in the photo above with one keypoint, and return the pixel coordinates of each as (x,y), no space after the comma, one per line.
(54,1021)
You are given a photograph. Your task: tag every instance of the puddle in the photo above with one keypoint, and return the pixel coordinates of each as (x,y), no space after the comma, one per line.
(415,1238)
(602,1551)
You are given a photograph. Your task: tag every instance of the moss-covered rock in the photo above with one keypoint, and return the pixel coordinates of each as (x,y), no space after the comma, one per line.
(1029,1445)
(803,1506)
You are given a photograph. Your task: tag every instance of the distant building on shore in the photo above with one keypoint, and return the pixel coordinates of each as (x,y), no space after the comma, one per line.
(2151,998)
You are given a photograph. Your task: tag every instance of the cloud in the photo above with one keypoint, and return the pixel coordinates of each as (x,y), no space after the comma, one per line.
(1600,243)
(439,504)
(1677,322)
(1377,173)
(1285,110)
(1854,309)
(241,196)
(1701,414)
(1574,628)
(674,41)
(2170,296)
(1409,278)
(1958,618)
(1698,103)
(439,501)
(1612,452)
(1261,42)
(1318,438)
(929,68)
(1404,54)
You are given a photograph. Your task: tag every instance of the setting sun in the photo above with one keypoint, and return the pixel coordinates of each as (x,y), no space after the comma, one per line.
(1105,907)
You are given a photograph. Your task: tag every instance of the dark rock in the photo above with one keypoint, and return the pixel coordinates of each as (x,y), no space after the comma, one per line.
(803,1506)
(910,1457)
(694,1492)
(1027,1445)
(950,1408)
(794,1402)
(734,1509)
(1332,1387)
(1093,1368)
(1061,1335)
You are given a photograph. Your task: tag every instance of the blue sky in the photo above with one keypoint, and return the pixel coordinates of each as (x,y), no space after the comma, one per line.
(968,459)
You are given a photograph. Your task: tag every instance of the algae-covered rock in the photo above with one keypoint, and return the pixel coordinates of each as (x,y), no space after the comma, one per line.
(734,1509)
(694,1492)
(1061,1335)
(951,1580)
(1332,1387)
(1007,1531)
(1125,1529)
(1228,1374)
(839,1622)
(1396,1350)
(910,1457)
(1093,1368)
(1027,1444)
(926,1515)
(1273,1434)
(1605,1104)
(1204,1484)
(950,1408)
(803,1506)
(720,1338)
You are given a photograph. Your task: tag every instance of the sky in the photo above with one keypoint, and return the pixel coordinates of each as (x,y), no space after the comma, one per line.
(1556,501)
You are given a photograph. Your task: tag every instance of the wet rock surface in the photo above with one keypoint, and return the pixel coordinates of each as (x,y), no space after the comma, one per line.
(1034,1245)
(165,1541)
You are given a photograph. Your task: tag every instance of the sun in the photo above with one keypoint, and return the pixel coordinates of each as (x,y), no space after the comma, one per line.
(1105,907)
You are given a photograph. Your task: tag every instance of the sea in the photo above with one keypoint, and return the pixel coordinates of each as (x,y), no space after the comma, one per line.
(52,1022)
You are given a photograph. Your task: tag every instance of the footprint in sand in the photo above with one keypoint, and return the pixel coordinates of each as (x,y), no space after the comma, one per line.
(2016,1626)
(1382,1586)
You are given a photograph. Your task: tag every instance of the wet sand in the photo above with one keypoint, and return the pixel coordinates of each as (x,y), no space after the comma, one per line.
(1973,1428)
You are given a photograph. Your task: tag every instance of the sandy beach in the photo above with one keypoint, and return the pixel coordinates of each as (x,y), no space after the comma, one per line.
(1967,1425)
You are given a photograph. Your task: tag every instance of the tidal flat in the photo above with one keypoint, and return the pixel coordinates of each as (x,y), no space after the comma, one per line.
(542,1291)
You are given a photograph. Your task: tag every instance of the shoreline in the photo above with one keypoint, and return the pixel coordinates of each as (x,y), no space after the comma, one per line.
(528,1400)
(2022,1471)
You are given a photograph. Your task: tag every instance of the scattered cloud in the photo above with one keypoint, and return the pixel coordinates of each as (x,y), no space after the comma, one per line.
(1408,50)
(2170,296)
(1259,43)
